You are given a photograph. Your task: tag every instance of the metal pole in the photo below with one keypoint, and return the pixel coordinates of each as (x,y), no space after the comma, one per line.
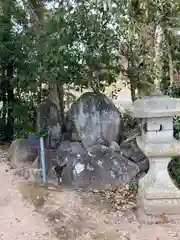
(43,162)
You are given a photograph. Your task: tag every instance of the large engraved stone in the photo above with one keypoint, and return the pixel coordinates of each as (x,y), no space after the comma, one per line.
(95,116)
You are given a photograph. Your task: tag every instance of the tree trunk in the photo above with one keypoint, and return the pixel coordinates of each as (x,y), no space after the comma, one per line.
(39,94)
(3,95)
(4,108)
(60,95)
(53,95)
(171,68)
(158,55)
(57,96)
(133,89)
(10,100)
(8,69)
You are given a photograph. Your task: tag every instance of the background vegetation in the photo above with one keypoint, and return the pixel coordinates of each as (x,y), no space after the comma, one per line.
(83,44)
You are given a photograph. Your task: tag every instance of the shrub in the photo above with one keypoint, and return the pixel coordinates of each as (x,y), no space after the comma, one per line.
(174,166)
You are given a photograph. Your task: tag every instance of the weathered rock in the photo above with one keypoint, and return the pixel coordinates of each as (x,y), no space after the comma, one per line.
(99,171)
(70,148)
(48,118)
(94,116)
(102,141)
(131,151)
(143,165)
(115,147)
(51,159)
(101,145)
(21,153)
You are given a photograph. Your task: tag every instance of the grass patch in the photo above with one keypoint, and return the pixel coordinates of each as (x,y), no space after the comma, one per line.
(33,194)
(62,233)
(109,235)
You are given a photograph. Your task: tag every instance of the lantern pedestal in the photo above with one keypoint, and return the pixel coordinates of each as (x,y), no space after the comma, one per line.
(157,194)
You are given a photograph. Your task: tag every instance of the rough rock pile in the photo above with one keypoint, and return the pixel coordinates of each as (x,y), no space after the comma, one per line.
(95,156)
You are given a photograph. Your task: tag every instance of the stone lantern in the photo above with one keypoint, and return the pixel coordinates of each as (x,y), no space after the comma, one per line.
(157,193)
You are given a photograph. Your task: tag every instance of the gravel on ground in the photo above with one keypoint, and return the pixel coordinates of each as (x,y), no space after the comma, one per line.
(71,215)
(18,221)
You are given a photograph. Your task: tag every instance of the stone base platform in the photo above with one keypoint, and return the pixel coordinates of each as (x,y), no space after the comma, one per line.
(155,211)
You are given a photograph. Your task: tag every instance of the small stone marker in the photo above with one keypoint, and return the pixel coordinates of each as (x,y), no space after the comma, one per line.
(157,194)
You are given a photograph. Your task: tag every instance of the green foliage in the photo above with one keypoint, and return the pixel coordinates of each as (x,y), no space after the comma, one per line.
(131,125)
(78,45)
(176,127)
(23,119)
(42,133)
(174,91)
(2,130)
(17,70)
(174,166)
(83,43)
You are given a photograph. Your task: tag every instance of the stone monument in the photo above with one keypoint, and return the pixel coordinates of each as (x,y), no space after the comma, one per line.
(157,194)
(48,119)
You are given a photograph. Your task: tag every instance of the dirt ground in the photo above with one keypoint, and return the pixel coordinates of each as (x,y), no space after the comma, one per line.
(17,220)
(47,213)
